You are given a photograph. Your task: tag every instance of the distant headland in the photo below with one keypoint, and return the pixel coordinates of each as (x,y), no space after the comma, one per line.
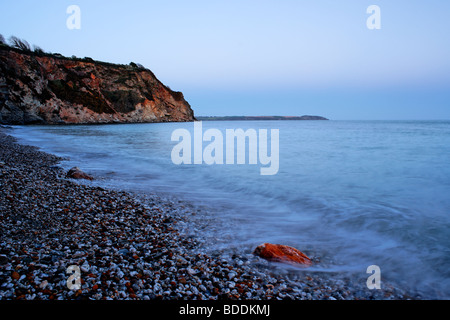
(246,118)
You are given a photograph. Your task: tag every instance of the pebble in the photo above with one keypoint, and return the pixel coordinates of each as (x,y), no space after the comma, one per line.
(43,284)
(231,275)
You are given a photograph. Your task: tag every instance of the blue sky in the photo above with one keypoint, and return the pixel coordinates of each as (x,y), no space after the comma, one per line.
(264,57)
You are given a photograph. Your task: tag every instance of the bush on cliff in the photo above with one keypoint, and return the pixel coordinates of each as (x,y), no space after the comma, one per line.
(19,44)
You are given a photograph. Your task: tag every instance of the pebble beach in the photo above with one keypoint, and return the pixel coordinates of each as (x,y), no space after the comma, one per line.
(127,247)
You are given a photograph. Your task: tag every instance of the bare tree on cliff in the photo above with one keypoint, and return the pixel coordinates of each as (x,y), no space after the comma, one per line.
(19,44)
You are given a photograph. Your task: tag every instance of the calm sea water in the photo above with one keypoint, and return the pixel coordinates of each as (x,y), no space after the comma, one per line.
(352,193)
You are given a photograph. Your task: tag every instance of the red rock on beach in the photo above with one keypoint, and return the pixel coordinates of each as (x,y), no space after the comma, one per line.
(282,253)
(76,173)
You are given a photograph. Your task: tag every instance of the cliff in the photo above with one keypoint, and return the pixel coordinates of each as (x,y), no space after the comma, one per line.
(39,88)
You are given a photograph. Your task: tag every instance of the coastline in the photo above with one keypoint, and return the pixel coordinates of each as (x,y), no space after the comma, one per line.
(126,248)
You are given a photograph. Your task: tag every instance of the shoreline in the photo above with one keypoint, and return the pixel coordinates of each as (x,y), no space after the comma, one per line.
(127,247)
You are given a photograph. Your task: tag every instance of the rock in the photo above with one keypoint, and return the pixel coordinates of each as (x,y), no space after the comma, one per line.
(124,252)
(85,267)
(43,284)
(231,275)
(3,259)
(282,253)
(76,173)
(15,275)
(191,271)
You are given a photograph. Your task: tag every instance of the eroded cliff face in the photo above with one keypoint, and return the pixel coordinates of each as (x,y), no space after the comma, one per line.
(51,89)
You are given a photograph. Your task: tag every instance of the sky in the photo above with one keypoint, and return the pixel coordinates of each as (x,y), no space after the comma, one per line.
(264,57)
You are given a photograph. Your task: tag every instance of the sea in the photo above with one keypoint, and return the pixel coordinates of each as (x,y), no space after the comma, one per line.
(351,194)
